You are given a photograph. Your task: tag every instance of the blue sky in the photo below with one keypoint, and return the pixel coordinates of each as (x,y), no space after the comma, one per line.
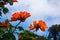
(46,10)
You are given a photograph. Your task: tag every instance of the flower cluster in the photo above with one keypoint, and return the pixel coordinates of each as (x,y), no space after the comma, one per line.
(20,16)
(36,25)
(3,24)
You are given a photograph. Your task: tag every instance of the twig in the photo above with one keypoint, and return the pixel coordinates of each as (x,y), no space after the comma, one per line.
(16,27)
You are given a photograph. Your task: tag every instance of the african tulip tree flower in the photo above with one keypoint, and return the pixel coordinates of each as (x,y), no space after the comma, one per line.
(42,25)
(14,0)
(36,25)
(3,24)
(20,16)
(31,27)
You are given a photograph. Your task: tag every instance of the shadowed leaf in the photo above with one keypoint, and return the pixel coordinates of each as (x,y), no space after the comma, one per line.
(20,28)
(5,10)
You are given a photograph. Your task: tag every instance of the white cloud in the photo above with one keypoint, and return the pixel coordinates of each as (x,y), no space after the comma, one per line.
(41,9)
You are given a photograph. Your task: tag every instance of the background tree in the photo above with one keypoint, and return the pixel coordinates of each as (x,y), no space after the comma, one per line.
(54,31)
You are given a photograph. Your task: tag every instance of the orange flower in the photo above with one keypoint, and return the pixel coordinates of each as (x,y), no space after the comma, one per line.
(3,24)
(20,16)
(24,14)
(35,23)
(34,26)
(13,19)
(40,24)
(27,15)
(31,27)
(16,15)
(14,0)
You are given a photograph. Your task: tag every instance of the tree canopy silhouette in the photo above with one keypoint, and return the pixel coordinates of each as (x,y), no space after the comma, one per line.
(54,31)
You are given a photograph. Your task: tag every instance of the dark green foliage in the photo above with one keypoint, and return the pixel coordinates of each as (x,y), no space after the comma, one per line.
(8,36)
(11,28)
(54,31)
(58,28)
(10,2)
(20,28)
(1,5)
(5,10)
(42,38)
(28,33)
(0,14)
(1,31)
(6,21)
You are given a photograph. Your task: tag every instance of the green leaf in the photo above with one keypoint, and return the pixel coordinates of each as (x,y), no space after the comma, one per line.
(1,31)
(10,2)
(5,10)
(8,36)
(0,14)
(11,28)
(1,5)
(26,32)
(28,35)
(6,21)
(20,28)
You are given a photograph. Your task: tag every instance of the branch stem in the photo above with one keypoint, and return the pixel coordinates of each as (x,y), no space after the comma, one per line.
(16,26)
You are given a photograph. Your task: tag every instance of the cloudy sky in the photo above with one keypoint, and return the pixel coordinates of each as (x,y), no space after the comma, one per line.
(46,10)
